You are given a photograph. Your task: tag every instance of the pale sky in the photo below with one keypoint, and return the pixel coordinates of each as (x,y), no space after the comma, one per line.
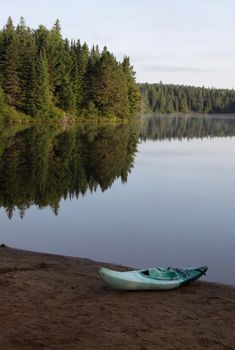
(174,41)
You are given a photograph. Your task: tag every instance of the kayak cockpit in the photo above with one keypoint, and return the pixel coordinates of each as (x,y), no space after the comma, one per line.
(161,274)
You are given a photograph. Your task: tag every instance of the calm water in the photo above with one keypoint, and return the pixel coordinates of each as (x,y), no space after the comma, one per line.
(157,193)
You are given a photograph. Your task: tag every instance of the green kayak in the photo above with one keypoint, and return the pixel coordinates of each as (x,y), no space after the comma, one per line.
(151,279)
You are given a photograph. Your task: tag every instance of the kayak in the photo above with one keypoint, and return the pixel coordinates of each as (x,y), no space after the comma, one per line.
(151,279)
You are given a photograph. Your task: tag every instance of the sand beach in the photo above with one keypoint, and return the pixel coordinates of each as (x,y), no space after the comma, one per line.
(56,302)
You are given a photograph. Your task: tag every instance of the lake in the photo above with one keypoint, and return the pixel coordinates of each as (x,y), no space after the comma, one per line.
(156,192)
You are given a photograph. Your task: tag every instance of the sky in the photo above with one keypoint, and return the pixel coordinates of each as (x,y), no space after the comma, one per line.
(174,41)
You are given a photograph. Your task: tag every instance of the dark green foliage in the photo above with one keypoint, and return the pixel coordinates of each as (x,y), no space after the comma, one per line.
(11,77)
(82,70)
(40,98)
(8,113)
(26,56)
(2,101)
(162,98)
(134,97)
(108,89)
(44,75)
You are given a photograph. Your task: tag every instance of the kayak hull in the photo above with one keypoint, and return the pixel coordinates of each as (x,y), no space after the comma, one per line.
(138,280)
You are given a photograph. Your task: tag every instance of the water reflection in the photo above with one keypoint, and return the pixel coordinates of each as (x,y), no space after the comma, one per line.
(176,207)
(40,165)
(189,127)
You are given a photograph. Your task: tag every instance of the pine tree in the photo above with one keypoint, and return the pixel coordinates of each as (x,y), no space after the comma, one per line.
(82,61)
(134,96)
(12,81)
(2,102)
(57,56)
(108,88)
(42,74)
(40,101)
(27,54)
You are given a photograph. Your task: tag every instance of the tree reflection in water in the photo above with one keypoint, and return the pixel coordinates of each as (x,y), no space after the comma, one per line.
(40,165)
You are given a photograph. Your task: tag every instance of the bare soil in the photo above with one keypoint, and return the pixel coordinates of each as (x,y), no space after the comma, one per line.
(55,302)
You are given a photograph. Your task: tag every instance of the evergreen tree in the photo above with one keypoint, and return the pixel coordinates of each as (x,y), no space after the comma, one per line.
(108,89)
(6,36)
(179,98)
(2,102)
(134,96)
(40,101)
(12,82)
(27,54)
(82,61)
(42,74)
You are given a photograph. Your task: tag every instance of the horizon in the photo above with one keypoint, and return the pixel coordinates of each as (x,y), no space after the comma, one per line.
(154,36)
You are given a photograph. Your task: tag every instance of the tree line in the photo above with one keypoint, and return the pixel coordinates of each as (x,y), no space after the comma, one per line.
(164,98)
(44,75)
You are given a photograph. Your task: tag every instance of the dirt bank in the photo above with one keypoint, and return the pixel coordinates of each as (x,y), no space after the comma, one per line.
(55,302)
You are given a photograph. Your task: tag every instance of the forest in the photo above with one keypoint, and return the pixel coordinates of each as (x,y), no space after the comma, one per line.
(164,98)
(43,75)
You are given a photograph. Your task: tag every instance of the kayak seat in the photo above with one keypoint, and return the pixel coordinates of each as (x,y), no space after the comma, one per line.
(161,274)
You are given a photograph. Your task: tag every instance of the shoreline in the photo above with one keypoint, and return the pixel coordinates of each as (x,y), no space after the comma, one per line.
(108,264)
(56,302)
(73,120)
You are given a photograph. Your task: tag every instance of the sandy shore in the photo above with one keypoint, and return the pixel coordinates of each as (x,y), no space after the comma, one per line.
(56,302)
